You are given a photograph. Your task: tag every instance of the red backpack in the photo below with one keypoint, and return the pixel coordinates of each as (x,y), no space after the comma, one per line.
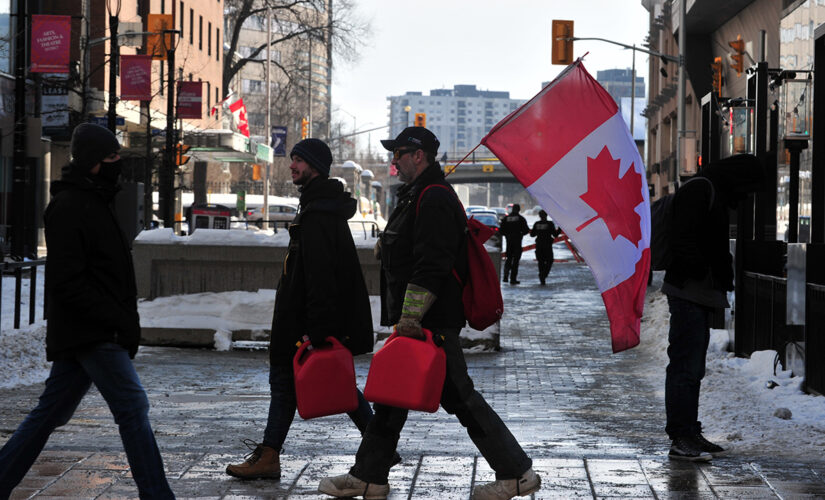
(483,305)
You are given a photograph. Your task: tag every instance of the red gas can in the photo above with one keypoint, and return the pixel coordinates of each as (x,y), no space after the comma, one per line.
(324,380)
(407,373)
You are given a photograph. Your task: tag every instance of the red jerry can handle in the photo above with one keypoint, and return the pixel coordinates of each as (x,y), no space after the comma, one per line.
(428,337)
(300,359)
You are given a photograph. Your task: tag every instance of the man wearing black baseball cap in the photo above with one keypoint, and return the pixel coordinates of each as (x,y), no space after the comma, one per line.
(426,237)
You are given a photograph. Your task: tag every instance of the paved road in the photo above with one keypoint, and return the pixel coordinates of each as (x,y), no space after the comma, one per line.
(593,429)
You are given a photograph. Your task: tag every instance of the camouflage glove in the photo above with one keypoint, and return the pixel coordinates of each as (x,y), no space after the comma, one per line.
(417,301)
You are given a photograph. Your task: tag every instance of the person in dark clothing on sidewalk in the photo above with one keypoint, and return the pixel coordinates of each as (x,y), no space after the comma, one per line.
(513,227)
(545,232)
(93,328)
(321,294)
(696,282)
(423,244)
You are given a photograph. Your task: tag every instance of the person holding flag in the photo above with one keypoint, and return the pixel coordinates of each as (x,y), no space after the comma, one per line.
(423,245)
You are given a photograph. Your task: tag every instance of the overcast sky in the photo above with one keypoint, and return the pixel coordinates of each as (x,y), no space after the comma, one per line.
(493,44)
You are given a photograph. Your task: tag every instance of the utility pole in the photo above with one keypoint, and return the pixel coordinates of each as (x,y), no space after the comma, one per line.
(114,60)
(265,208)
(680,105)
(19,201)
(166,175)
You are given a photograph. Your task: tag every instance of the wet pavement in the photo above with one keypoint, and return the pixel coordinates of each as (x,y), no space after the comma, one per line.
(593,429)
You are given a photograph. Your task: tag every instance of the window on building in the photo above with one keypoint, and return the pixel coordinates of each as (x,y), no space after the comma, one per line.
(217,94)
(209,39)
(181,11)
(191,26)
(208,93)
(163,6)
(218,44)
(200,32)
(161,78)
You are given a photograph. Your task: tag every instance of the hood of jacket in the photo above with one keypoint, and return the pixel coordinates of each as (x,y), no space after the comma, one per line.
(736,176)
(71,178)
(323,194)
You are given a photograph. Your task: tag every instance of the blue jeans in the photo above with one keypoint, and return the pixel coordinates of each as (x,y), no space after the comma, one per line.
(458,397)
(689,336)
(282,406)
(107,366)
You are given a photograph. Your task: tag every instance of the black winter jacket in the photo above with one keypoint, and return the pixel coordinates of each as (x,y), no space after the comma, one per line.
(322,290)
(424,249)
(700,230)
(91,295)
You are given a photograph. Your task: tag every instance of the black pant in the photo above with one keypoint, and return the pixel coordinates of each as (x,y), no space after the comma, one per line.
(490,435)
(544,254)
(688,344)
(513,258)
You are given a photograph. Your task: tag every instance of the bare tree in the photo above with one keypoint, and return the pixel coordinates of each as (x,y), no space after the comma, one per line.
(292,21)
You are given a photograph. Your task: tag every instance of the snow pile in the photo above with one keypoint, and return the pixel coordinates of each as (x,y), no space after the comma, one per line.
(23,355)
(225,311)
(251,237)
(737,404)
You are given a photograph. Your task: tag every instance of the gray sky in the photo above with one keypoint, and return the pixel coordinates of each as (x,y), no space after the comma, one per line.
(421,45)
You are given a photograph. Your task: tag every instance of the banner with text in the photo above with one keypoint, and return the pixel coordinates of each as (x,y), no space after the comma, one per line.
(136,77)
(50,44)
(190,100)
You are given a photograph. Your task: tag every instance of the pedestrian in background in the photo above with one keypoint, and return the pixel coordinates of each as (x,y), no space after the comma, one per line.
(513,227)
(321,294)
(93,328)
(696,282)
(545,232)
(423,244)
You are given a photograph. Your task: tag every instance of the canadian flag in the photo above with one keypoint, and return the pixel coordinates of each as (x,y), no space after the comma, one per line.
(238,110)
(571,149)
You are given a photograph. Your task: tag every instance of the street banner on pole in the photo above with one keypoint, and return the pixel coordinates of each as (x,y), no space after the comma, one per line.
(50,44)
(158,44)
(136,77)
(279,141)
(571,149)
(190,100)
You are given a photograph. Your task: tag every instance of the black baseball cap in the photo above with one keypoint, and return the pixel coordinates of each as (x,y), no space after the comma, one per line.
(417,137)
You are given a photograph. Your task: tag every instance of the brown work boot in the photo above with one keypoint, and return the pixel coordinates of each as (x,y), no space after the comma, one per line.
(262,463)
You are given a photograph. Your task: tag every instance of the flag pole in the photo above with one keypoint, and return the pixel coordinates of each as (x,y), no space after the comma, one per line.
(461,160)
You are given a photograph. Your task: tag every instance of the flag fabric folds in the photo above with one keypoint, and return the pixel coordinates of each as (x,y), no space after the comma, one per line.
(236,106)
(571,149)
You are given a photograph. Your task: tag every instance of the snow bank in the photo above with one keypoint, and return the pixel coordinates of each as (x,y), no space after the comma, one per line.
(23,355)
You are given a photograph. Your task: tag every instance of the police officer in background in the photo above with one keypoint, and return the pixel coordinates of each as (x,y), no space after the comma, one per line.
(513,227)
(545,232)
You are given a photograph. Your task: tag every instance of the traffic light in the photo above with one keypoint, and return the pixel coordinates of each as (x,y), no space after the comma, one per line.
(562,42)
(420,119)
(256,172)
(304,128)
(739,56)
(180,154)
(716,67)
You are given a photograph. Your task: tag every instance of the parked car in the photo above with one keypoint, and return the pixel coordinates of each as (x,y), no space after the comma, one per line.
(490,219)
(280,215)
(472,208)
(501,211)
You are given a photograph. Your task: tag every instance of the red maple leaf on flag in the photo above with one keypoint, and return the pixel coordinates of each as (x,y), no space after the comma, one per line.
(614,199)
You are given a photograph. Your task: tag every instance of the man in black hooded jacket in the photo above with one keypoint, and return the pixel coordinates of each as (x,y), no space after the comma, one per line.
(696,282)
(321,294)
(93,326)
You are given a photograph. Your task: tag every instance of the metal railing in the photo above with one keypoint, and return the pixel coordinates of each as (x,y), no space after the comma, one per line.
(374,229)
(19,270)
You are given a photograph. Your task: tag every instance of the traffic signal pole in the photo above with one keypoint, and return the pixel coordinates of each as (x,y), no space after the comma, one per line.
(166,175)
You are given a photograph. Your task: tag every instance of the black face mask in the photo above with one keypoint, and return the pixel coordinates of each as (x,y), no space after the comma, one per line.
(110,171)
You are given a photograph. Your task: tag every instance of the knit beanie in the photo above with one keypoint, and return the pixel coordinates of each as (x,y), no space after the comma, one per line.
(316,153)
(92,143)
